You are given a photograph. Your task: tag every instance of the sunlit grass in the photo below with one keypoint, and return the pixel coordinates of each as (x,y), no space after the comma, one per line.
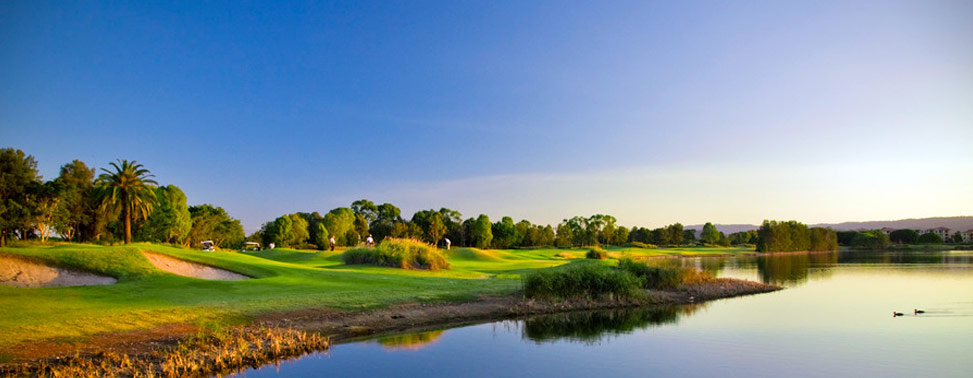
(283,279)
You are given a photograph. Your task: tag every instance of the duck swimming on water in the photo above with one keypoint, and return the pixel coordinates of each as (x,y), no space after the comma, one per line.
(917,311)
(894,314)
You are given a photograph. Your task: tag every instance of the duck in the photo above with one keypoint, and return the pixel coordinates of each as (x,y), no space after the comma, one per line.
(894,314)
(917,311)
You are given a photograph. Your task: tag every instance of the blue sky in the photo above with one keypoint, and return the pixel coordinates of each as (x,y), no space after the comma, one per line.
(656,112)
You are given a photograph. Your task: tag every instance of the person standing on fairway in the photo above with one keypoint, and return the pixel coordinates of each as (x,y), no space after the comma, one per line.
(369,240)
(447,242)
(331,241)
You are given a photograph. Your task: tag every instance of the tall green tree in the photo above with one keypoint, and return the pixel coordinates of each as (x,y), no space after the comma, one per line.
(709,235)
(339,221)
(170,221)
(904,236)
(482,233)
(17,171)
(214,223)
(127,188)
(76,210)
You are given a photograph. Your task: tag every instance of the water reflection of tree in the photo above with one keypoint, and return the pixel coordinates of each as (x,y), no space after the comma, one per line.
(780,269)
(413,341)
(593,326)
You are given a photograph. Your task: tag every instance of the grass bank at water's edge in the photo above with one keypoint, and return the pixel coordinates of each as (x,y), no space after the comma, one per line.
(283,280)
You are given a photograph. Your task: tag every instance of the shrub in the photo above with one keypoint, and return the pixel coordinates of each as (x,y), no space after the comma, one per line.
(657,277)
(652,277)
(398,253)
(640,245)
(581,281)
(596,253)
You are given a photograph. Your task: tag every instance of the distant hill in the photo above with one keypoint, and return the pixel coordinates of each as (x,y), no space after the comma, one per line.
(724,228)
(952,223)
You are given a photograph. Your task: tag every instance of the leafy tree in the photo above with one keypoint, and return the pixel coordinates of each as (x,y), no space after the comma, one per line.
(386,217)
(621,236)
(17,171)
(547,236)
(170,221)
(339,221)
(313,220)
(823,239)
(360,225)
(431,225)
(659,236)
(504,233)
(321,233)
(709,235)
(76,210)
(689,236)
(213,223)
(957,237)
(42,202)
(846,237)
(871,239)
(277,231)
(129,189)
(366,209)
(675,232)
(930,238)
(564,237)
(482,233)
(774,236)
(904,236)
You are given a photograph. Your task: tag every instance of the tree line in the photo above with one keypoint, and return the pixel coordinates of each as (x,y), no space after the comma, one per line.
(82,207)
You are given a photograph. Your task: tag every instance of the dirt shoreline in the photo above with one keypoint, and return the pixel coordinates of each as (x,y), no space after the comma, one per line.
(345,326)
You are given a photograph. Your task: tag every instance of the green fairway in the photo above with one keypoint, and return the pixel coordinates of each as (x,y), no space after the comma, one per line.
(283,279)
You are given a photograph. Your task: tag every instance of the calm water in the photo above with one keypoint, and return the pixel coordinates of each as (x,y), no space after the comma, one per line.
(833,320)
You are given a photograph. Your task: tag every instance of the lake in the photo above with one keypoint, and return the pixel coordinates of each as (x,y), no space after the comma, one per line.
(834,319)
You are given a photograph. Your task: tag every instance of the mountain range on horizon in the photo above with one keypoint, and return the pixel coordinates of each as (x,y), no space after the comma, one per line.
(958,223)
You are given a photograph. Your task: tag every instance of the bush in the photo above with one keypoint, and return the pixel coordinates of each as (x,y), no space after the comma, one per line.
(596,253)
(930,238)
(398,253)
(640,245)
(656,277)
(581,281)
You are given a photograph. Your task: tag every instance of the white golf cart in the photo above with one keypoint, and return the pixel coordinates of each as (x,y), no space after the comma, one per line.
(253,246)
(208,245)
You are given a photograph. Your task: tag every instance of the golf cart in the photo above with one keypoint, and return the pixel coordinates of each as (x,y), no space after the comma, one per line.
(208,245)
(253,246)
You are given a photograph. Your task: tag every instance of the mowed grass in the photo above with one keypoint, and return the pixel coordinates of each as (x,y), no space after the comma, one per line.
(283,279)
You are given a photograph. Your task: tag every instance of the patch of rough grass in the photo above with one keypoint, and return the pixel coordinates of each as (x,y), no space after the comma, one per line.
(582,281)
(596,253)
(662,277)
(398,253)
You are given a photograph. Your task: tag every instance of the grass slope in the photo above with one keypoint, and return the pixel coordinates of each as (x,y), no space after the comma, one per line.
(284,279)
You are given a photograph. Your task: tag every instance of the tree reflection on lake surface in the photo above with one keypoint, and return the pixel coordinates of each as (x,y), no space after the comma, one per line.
(594,326)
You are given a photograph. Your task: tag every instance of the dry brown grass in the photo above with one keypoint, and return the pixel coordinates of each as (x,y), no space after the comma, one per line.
(199,356)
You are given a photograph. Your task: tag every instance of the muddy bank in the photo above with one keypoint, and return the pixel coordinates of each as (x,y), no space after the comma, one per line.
(24,273)
(190,269)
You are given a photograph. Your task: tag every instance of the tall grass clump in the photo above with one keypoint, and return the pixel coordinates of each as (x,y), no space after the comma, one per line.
(585,281)
(398,253)
(596,253)
(662,277)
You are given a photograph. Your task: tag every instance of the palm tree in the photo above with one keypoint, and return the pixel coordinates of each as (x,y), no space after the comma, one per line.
(129,189)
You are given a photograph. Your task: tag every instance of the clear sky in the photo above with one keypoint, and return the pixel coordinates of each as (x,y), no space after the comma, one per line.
(655,112)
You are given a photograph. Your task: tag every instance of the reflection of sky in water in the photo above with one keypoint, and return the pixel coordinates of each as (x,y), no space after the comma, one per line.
(836,321)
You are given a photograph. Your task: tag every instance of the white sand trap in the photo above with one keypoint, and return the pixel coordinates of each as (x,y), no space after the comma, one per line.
(190,269)
(23,273)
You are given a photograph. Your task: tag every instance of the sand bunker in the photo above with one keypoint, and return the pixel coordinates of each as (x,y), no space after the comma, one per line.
(23,273)
(190,269)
